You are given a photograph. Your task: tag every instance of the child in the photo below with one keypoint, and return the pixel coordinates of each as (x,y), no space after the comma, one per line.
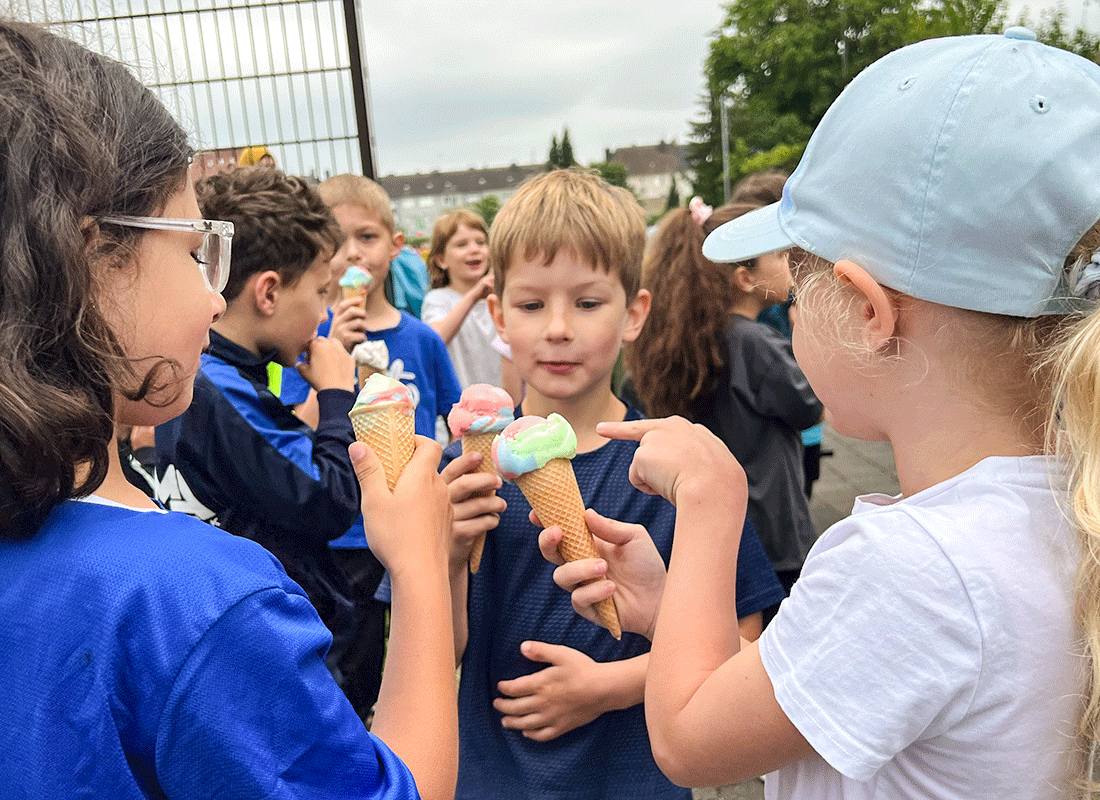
(147,654)
(238,457)
(455,307)
(418,356)
(705,357)
(550,705)
(929,648)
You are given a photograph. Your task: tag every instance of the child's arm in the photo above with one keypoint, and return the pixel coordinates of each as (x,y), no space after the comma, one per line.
(572,691)
(710,708)
(473,514)
(447,326)
(408,530)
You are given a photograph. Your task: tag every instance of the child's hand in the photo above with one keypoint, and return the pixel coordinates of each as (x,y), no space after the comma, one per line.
(565,695)
(484,287)
(328,366)
(410,527)
(474,512)
(629,567)
(673,456)
(349,322)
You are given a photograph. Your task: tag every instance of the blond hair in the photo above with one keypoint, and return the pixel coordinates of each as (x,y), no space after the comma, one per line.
(572,210)
(357,190)
(1074,433)
(445,227)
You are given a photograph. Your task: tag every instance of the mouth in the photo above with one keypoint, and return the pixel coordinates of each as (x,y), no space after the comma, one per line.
(559,367)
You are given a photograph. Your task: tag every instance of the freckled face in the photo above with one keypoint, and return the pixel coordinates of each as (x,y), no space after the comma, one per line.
(369,244)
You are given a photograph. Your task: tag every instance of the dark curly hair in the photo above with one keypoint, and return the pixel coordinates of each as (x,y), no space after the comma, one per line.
(280,222)
(80,138)
(679,349)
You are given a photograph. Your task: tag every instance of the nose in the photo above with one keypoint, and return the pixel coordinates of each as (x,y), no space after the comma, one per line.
(217,306)
(559,327)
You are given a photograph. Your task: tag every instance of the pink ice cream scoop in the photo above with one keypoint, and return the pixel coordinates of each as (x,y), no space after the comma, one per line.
(481,409)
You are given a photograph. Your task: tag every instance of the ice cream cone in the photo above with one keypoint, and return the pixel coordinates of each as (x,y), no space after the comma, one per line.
(364,371)
(481,443)
(388,429)
(552,491)
(353,291)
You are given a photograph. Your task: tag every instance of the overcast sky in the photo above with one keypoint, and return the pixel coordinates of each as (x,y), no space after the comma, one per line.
(468,83)
(472,84)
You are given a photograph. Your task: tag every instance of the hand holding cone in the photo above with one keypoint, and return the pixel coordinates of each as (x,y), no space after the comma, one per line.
(536,454)
(383,419)
(480,413)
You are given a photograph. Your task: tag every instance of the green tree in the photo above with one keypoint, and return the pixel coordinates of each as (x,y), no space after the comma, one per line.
(487,207)
(673,197)
(611,171)
(567,159)
(561,155)
(777,65)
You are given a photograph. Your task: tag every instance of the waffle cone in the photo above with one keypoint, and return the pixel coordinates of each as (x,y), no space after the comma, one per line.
(353,291)
(481,443)
(364,371)
(552,491)
(388,430)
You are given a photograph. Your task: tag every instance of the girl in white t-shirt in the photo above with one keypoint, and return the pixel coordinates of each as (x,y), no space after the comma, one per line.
(455,307)
(950,199)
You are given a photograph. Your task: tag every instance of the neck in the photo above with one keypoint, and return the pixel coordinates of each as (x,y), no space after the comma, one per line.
(380,314)
(582,412)
(747,305)
(238,330)
(115,486)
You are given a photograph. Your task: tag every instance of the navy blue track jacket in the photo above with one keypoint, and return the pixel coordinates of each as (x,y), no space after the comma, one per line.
(240,459)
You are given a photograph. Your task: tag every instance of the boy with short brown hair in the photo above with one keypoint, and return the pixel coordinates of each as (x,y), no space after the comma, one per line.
(550,704)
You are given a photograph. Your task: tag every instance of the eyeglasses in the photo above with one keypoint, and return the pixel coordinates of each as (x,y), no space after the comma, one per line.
(214,252)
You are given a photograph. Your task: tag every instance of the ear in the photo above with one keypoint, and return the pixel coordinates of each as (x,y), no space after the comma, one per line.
(398,243)
(265,291)
(743,280)
(636,314)
(496,311)
(878,308)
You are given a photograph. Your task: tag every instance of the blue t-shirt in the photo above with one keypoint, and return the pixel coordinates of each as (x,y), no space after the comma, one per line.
(513,598)
(148,655)
(419,359)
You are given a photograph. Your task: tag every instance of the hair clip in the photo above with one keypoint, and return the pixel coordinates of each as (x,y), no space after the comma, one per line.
(700,211)
(1087,279)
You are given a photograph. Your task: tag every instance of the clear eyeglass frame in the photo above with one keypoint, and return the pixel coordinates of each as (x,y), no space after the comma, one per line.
(213,255)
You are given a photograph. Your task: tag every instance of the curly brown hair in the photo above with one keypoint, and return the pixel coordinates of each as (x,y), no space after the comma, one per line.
(680,346)
(80,139)
(279,222)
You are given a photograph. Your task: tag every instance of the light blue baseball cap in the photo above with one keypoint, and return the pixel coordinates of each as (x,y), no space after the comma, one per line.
(960,171)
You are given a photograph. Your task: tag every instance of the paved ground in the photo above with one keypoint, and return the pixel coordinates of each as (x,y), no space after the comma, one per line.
(855,468)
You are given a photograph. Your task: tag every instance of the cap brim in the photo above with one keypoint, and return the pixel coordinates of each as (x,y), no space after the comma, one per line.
(748,236)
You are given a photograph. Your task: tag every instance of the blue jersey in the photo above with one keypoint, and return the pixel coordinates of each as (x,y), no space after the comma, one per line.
(513,598)
(149,655)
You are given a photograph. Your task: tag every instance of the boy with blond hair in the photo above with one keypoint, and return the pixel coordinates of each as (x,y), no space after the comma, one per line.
(550,704)
(418,358)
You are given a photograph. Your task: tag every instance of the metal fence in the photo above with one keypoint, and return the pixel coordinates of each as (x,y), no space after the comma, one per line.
(284,74)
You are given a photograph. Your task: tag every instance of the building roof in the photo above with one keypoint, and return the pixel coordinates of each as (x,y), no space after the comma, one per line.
(470,181)
(651,159)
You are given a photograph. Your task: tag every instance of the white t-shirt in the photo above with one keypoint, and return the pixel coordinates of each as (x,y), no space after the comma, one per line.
(928,649)
(474,359)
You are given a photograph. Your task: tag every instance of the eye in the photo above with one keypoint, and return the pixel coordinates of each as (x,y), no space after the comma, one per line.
(531,305)
(588,305)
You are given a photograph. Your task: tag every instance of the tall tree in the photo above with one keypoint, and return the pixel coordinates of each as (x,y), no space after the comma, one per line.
(567,159)
(555,154)
(487,208)
(777,65)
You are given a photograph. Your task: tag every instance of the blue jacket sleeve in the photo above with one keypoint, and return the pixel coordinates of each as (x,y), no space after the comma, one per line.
(261,477)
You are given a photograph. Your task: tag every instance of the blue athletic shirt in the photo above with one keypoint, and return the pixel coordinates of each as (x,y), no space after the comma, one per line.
(149,655)
(513,598)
